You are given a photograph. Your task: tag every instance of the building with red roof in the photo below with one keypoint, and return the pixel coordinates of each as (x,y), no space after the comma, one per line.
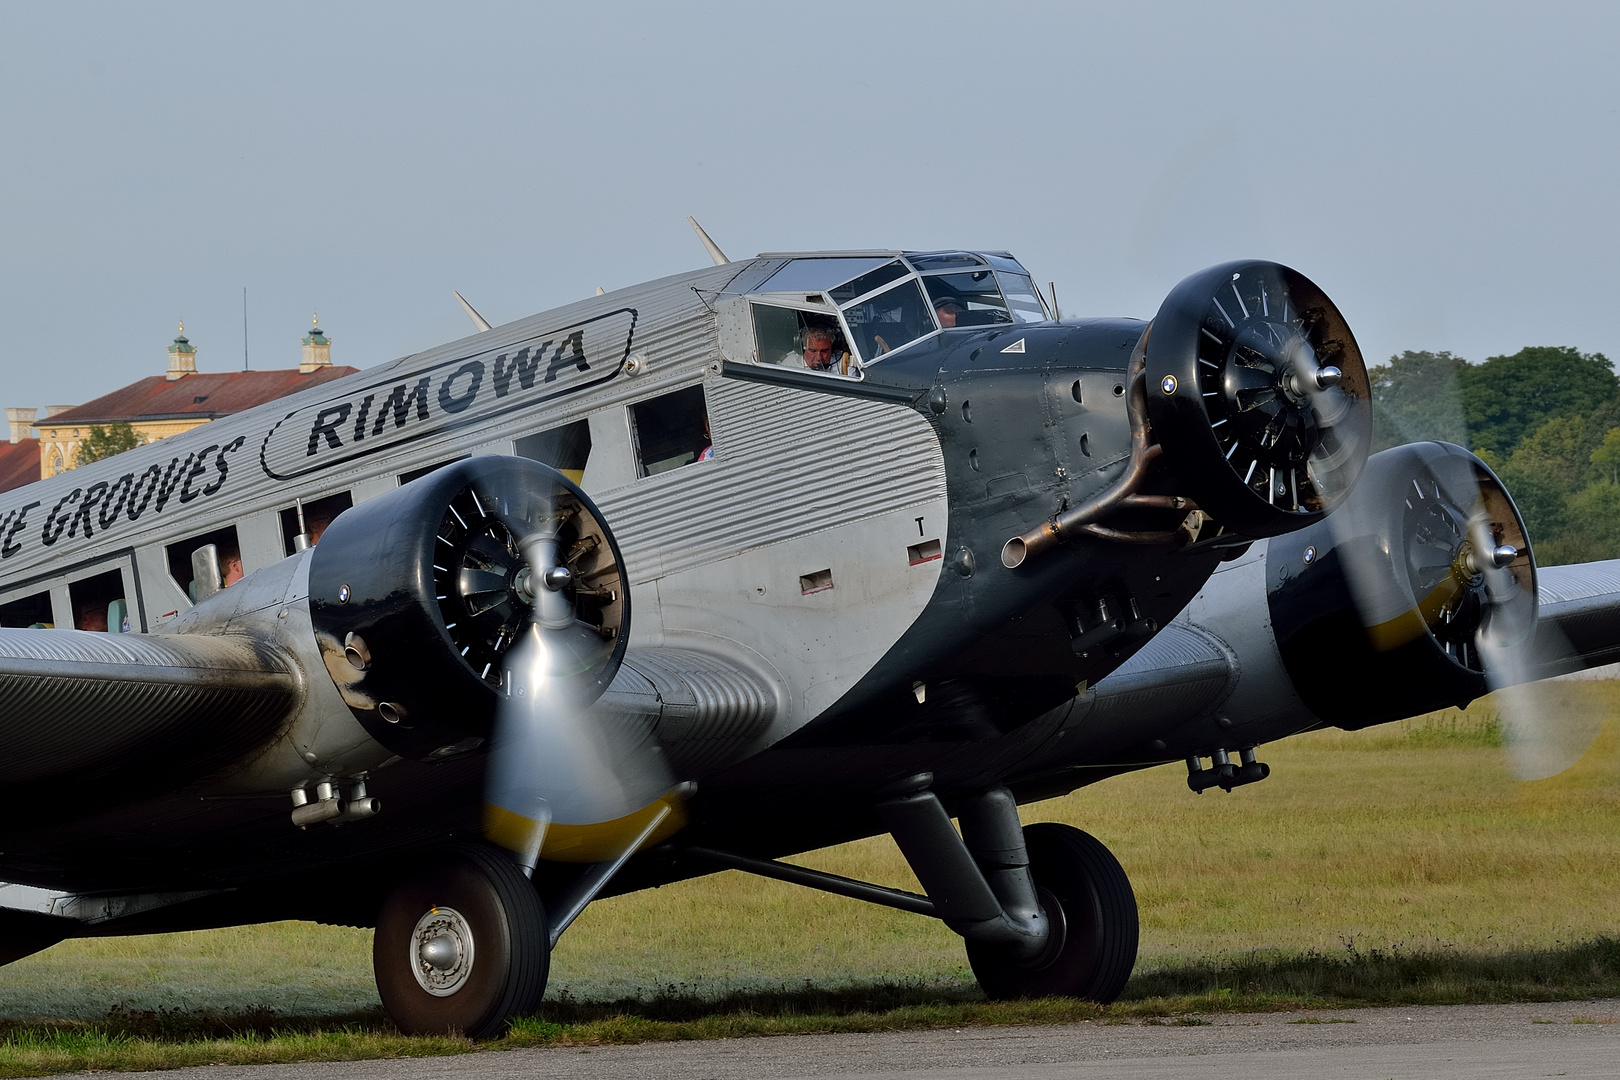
(162,405)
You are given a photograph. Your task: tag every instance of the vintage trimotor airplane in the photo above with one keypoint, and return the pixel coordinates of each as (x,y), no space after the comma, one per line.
(900,544)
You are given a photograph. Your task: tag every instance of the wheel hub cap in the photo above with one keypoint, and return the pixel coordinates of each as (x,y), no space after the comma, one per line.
(441,951)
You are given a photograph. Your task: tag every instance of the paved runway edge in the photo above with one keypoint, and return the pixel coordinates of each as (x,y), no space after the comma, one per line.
(1567,1038)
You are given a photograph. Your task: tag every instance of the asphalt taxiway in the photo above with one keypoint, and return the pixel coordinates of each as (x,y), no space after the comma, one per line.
(1471,1042)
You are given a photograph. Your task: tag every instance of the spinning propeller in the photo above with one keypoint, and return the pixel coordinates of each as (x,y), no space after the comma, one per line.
(562,757)
(1432,546)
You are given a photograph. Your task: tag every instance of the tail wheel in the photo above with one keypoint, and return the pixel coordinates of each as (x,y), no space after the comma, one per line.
(462,947)
(1095,931)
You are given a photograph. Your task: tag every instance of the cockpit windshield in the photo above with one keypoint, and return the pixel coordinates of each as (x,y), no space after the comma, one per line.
(884,303)
(970,299)
(882,323)
(1023,299)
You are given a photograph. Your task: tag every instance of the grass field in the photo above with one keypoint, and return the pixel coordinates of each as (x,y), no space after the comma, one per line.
(1398,864)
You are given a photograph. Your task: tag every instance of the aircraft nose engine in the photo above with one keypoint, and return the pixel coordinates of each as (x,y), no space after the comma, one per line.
(1257,391)
(1411,596)
(418,595)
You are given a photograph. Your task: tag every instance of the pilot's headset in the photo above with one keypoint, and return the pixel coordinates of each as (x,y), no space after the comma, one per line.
(842,361)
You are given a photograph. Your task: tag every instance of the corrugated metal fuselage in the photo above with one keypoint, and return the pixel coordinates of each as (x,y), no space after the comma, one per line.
(844,540)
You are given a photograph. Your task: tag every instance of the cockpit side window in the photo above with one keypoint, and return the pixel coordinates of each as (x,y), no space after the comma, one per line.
(892,318)
(974,297)
(1023,298)
(789,337)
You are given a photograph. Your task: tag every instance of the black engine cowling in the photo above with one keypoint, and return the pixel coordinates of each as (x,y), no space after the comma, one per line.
(1258,393)
(1376,610)
(416,595)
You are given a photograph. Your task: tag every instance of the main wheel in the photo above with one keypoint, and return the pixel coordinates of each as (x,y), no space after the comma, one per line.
(1088,898)
(462,947)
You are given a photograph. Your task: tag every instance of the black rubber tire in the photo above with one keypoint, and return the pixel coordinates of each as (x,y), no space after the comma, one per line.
(511,946)
(1097,923)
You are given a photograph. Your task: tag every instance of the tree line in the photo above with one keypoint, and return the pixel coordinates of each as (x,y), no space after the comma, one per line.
(1546,419)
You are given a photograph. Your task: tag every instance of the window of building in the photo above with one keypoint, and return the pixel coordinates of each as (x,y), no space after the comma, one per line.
(670,431)
(98,603)
(203,565)
(318,514)
(28,611)
(566,449)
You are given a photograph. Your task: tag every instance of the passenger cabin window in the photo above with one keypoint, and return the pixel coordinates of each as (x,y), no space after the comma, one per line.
(566,449)
(791,338)
(203,565)
(318,514)
(670,431)
(28,612)
(98,603)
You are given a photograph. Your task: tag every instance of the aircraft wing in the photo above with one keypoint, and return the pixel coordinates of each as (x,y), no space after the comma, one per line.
(1227,666)
(116,713)
(1582,602)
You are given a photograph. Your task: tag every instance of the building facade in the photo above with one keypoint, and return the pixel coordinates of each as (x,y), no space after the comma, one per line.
(178,400)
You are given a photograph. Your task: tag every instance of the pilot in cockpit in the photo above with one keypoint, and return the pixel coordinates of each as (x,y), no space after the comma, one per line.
(947,308)
(824,351)
(819,348)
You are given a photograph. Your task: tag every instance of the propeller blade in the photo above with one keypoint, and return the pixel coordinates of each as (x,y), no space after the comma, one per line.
(562,754)
(1457,565)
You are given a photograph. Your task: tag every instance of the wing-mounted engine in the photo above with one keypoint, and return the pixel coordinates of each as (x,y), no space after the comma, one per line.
(416,597)
(1399,603)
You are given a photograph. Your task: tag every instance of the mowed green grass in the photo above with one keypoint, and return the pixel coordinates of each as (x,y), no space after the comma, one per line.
(1397,864)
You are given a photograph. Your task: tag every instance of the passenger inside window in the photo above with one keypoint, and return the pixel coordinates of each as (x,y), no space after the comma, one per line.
(96,598)
(28,612)
(671,431)
(222,568)
(802,339)
(316,515)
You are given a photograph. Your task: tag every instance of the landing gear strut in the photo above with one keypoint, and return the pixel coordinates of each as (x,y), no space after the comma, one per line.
(462,947)
(1086,895)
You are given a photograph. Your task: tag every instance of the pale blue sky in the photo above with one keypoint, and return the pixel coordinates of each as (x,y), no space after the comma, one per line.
(1445,172)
